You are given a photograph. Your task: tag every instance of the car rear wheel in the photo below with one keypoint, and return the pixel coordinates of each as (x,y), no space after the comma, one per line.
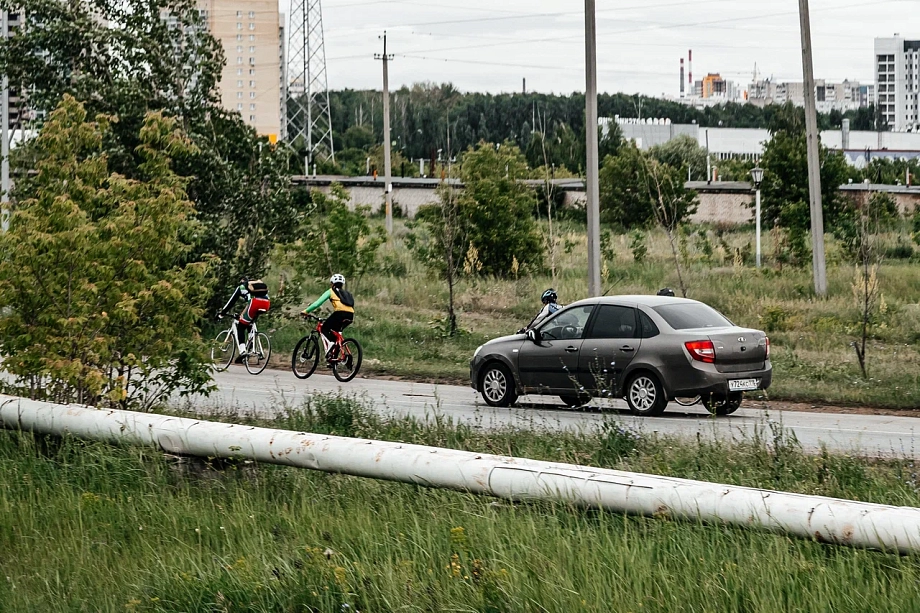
(645,395)
(497,386)
(723,405)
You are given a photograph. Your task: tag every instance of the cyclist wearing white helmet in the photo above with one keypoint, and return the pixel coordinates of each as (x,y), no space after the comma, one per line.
(343,308)
(550,306)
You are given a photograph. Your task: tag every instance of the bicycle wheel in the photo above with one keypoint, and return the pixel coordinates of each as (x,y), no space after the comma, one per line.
(223,349)
(260,349)
(306,357)
(347,368)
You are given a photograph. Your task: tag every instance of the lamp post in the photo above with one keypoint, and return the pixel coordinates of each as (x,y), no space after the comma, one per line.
(757,176)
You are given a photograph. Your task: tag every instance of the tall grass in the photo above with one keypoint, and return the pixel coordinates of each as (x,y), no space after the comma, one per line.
(90,527)
(401,311)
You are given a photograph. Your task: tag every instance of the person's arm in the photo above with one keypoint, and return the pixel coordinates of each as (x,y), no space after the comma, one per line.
(233,298)
(319,301)
(543,314)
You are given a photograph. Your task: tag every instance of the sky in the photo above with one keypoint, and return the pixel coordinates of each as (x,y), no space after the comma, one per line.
(492,45)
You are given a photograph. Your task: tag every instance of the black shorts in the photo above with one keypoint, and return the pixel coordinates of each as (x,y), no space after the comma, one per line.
(338,321)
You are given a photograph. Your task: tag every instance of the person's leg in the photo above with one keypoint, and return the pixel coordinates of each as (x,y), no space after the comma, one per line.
(242,325)
(335,324)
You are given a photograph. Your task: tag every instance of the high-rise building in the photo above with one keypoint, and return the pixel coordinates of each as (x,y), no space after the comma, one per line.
(897,79)
(252,35)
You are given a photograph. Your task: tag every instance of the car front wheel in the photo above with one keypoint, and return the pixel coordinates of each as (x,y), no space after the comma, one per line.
(498,386)
(645,396)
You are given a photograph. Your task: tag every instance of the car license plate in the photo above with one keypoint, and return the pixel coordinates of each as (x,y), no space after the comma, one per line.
(743,385)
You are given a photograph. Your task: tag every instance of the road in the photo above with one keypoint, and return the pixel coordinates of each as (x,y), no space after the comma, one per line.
(863,434)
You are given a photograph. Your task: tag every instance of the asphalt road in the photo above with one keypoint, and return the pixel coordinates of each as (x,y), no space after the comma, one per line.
(269,392)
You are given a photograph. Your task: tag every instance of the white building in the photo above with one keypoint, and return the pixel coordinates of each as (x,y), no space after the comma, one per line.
(829,96)
(897,78)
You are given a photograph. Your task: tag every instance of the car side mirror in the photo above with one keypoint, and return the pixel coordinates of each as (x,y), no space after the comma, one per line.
(534,336)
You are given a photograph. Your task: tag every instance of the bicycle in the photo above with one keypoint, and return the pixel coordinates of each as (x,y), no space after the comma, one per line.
(258,349)
(345,360)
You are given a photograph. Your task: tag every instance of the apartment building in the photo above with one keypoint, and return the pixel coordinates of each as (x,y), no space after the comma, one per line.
(897,79)
(252,35)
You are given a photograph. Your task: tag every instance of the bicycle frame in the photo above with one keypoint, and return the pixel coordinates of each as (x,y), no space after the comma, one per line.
(339,340)
(253,334)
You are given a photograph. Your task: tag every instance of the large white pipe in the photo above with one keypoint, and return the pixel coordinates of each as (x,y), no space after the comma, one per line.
(825,519)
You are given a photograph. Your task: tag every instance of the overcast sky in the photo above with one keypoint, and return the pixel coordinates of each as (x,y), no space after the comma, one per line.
(491,45)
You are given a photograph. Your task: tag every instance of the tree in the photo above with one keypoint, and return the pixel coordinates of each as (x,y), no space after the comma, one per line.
(443,251)
(126,58)
(333,239)
(785,184)
(624,194)
(867,220)
(682,153)
(95,308)
(497,210)
(671,203)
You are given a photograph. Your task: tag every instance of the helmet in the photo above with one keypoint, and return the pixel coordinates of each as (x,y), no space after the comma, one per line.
(666,291)
(549,296)
(337,278)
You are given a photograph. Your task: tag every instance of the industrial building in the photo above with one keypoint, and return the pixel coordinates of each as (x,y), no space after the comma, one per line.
(859,147)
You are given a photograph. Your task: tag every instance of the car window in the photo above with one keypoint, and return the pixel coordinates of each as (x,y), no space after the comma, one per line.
(688,315)
(614,321)
(567,324)
(648,327)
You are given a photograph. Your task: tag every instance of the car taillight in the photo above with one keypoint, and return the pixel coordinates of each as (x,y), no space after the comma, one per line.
(768,346)
(702,351)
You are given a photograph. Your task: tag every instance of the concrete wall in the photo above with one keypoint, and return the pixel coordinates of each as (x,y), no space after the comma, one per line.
(724,208)
(719,202)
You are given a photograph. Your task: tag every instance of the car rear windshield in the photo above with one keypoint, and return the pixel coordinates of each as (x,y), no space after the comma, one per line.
(689,315)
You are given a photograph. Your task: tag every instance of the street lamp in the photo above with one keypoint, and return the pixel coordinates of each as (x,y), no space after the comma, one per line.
(757,176)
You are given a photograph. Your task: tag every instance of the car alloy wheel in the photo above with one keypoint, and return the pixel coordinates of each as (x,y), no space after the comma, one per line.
(645,395)
(497,386)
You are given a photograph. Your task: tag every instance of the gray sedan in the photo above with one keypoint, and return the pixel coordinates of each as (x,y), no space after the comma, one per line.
(650,349)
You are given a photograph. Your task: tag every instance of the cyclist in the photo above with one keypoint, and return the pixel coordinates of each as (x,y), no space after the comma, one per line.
(550,306)
(666,291)
(343,314)
(255,293)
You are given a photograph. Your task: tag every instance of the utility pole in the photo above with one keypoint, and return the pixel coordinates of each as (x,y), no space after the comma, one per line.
(593,184)
(387,185)
(5,135)
(814,163)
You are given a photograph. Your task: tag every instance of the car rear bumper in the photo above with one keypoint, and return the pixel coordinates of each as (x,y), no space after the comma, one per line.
(698,382)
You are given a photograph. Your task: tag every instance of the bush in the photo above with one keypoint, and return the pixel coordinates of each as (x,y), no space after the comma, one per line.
(95,308)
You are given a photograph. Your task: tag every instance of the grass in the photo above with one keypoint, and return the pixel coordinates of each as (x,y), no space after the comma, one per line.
(85,526)
(401,312)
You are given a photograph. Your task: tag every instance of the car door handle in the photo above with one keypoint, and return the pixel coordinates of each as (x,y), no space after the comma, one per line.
(626,348)
(571,349)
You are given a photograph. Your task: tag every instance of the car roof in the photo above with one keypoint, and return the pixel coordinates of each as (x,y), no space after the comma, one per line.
(644,300)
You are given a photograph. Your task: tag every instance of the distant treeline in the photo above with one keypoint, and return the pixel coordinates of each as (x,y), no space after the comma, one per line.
(420,117)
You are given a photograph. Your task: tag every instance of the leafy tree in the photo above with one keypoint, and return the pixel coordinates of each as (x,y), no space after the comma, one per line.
(497,209)
(682,153)
(333,239)
(785,183)
(624,195)
(95,308)
(126,58)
